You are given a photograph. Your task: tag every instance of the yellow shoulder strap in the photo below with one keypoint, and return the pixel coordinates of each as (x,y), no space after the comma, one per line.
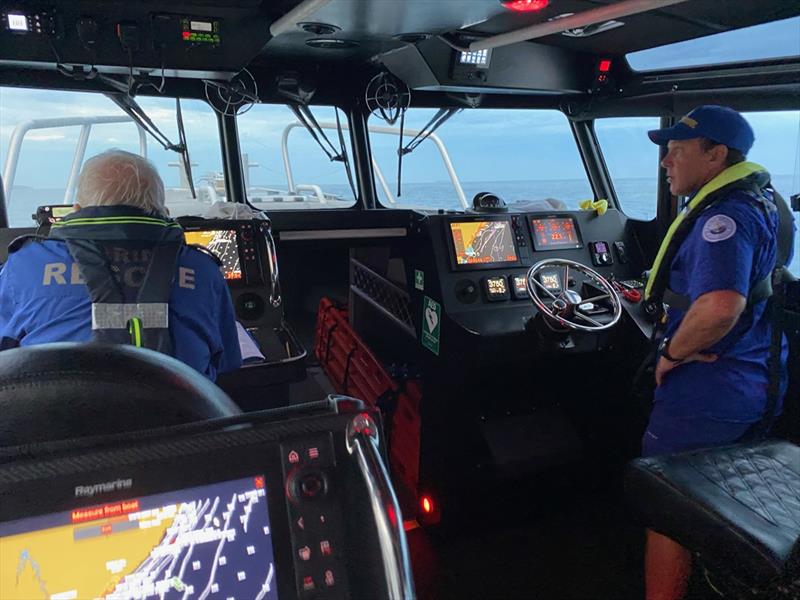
(726,177)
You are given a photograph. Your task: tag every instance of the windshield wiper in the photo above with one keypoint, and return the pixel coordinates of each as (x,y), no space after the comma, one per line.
(306,118)
(131,108)
(439,119)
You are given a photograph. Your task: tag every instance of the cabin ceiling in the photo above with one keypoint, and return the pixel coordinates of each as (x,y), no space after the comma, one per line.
(376,23)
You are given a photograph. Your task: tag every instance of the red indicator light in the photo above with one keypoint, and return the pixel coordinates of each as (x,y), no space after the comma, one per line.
(259,483)
(426,502)
(604,66)
(525,5)
(186,35)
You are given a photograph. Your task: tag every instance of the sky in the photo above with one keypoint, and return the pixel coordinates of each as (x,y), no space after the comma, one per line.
(484,145)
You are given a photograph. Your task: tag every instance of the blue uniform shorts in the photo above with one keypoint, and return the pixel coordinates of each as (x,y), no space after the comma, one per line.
(667,434)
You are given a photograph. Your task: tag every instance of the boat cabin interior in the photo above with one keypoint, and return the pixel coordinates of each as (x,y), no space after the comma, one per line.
(434,218)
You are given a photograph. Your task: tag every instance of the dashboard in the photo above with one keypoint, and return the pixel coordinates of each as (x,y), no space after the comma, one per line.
(482,260)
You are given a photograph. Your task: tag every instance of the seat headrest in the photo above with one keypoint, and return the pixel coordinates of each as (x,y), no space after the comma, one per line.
(67,390)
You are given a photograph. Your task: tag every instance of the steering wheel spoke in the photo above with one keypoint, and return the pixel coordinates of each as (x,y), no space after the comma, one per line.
(564,307)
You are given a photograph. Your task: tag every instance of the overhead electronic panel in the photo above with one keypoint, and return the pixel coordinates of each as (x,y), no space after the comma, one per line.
(483,244)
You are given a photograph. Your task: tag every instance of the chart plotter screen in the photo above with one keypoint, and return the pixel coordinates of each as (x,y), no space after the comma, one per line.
(483,242)
(222,242)
(209,542)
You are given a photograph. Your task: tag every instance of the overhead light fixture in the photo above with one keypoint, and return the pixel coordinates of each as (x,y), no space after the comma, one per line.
(319,28)
(525,5)
(331,43)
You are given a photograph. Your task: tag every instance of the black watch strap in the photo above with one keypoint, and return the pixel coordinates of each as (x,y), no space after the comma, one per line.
(664,351)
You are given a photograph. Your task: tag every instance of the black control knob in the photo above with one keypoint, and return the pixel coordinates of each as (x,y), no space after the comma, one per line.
(250,307)
(307,484)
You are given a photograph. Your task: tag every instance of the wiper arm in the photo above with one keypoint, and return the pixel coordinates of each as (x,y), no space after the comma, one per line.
(184,147)
(306,118)
(439,119)
(131,108)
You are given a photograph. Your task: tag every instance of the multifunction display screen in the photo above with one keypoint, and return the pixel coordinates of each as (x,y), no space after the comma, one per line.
(212,541)
(554,233)
(221,242)
(483,242)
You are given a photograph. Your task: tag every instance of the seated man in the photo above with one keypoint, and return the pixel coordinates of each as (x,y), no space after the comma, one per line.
(118,270)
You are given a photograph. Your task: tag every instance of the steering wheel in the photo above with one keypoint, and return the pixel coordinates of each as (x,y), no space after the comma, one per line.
(566,306)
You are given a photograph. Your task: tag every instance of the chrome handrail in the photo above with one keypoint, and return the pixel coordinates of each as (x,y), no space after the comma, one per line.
(448,164)
(86,123)
(363,443)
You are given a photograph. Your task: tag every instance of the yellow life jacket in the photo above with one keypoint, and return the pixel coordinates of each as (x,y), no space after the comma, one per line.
(745,176)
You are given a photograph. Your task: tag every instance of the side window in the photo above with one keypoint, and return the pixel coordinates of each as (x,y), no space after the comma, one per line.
(526,156)
(43,168)
(777,147)
(632,161)
(285,168)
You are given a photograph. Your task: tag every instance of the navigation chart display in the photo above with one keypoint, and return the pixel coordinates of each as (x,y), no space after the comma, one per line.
(483,242)
(204,542)
(222,242)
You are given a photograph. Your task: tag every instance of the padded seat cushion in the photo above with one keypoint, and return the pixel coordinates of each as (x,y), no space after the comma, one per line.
(69,390)
(738,507)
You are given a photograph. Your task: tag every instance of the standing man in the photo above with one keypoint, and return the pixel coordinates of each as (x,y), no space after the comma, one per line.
(714,271)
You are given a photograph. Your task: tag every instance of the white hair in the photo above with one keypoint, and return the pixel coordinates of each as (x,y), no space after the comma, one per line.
(117,177)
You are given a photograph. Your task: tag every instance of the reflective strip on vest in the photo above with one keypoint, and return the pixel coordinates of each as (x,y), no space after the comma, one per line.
(726,177)
(153,315)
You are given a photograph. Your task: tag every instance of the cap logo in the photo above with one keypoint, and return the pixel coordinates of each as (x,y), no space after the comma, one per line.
(689,122)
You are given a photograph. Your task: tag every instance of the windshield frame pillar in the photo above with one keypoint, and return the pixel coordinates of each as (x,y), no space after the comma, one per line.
(593,161)
(362,158)
(231,158)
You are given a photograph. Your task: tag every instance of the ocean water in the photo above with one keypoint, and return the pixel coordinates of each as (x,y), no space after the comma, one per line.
(636,196)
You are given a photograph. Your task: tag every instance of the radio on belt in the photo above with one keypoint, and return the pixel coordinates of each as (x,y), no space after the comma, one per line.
(601,254)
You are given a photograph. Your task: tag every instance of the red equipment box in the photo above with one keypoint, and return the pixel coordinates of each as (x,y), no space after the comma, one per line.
(354,371)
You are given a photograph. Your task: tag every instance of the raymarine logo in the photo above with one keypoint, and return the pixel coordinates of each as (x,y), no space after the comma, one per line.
(87,491)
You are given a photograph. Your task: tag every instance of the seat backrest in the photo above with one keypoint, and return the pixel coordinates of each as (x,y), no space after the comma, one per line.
(69,390)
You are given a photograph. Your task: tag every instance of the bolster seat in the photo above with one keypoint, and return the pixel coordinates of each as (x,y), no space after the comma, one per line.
(737,508)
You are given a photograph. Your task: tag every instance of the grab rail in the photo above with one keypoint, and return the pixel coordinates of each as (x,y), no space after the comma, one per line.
(86,123)
(448,164)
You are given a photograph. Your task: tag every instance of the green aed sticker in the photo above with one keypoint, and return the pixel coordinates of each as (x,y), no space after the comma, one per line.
(431,324)
(419,280)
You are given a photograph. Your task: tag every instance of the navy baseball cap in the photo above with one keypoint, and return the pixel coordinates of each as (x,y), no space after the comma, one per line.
(718,123)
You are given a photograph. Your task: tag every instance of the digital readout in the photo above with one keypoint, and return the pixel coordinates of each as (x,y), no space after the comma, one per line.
(551,281)
(521,284)
(201,26)
(555,233)
(17,22)
(496,286)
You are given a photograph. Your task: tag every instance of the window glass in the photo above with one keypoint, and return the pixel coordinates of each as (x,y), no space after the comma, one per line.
(632,161)
(39,170)
(629,154)
(285,168)
(777,147)
(521,155)
(777,39)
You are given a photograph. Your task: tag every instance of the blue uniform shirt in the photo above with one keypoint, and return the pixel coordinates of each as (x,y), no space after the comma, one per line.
(42,300)
(731,246)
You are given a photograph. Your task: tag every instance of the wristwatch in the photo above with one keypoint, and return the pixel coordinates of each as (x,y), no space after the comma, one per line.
(663,350)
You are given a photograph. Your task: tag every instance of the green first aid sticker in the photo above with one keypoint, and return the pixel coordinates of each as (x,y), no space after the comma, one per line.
(431,324)
(419,280)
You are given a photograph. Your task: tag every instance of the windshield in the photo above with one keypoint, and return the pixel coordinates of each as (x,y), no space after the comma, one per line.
(46,135)
(524,156)
(285,168)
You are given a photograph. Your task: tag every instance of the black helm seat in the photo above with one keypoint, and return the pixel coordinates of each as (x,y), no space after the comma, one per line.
(68,390)
(736,507)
